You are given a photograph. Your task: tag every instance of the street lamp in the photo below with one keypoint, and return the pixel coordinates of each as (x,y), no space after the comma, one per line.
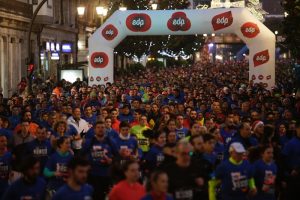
(227,4)
(122,7)
(102,12)
(154,5)
(80,10)
(99,10)
(105,11)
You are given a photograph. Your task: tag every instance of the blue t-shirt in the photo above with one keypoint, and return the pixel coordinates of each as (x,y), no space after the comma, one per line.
(126,118)
(150,197)
(291,151)
(226,136)
(211,158)
(7,133)
(264,176)
(234,179)
(219,150)
(96,151)
(58,163)
(5,166)
(41,150)
(22,190)
(67,193)
(14,121)
(112,133)
(91,120)
(130,144)
(154,157)
(181,133)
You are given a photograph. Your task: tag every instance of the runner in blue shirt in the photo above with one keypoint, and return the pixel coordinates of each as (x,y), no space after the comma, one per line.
(127,149)
(76,187)
(89,116)
(265,171)
(208,147)
(15,118)
(155,156)
(5,164)
(99,153)
(126,114)
(291,154)
(219,147)
(235,175)
(40,147)
(244,137)
(30,186)
(126,145)
(56,167)
(181,131)
(228,130)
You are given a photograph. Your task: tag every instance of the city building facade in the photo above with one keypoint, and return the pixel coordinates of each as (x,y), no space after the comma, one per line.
(53,39)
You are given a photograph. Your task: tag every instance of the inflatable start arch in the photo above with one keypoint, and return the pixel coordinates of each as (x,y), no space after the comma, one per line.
(259,39)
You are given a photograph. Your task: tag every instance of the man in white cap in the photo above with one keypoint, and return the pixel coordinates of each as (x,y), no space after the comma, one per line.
(234,175)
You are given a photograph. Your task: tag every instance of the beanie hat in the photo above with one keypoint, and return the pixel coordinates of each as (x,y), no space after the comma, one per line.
(256,124)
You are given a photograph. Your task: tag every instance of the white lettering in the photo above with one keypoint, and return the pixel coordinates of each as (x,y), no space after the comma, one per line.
(109,32)
(223,20)
(138,22)
(261,58)
(250,30)
(179,22)
(98,60)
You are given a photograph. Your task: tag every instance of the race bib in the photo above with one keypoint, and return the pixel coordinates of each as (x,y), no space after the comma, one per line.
(143,142)
(180,135)
(62,168)
(269,182)
(160,158)
(77,144)
(98,152)
(184,194)
(40,152)
(239,182)
(4,170)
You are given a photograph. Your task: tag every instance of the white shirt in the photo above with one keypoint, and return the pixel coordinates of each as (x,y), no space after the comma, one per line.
(80,126)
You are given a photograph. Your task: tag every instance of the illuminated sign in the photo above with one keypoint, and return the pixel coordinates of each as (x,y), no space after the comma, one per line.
(66,48)
(54,56)
(227,4)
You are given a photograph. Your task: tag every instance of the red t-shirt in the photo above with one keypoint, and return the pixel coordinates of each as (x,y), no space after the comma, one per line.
(125,191)
(115,125)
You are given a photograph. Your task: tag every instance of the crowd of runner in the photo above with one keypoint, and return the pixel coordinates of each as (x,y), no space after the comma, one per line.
(184,133)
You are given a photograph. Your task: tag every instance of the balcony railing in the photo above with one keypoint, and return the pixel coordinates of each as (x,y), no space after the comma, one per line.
(16,7)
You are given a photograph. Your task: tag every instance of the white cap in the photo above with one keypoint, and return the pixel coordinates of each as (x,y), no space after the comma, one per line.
(237,147)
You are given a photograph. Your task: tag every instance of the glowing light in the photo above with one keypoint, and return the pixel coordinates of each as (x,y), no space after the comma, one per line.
(80,10)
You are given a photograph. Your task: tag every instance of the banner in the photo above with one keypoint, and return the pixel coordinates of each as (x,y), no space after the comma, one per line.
(259,39)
